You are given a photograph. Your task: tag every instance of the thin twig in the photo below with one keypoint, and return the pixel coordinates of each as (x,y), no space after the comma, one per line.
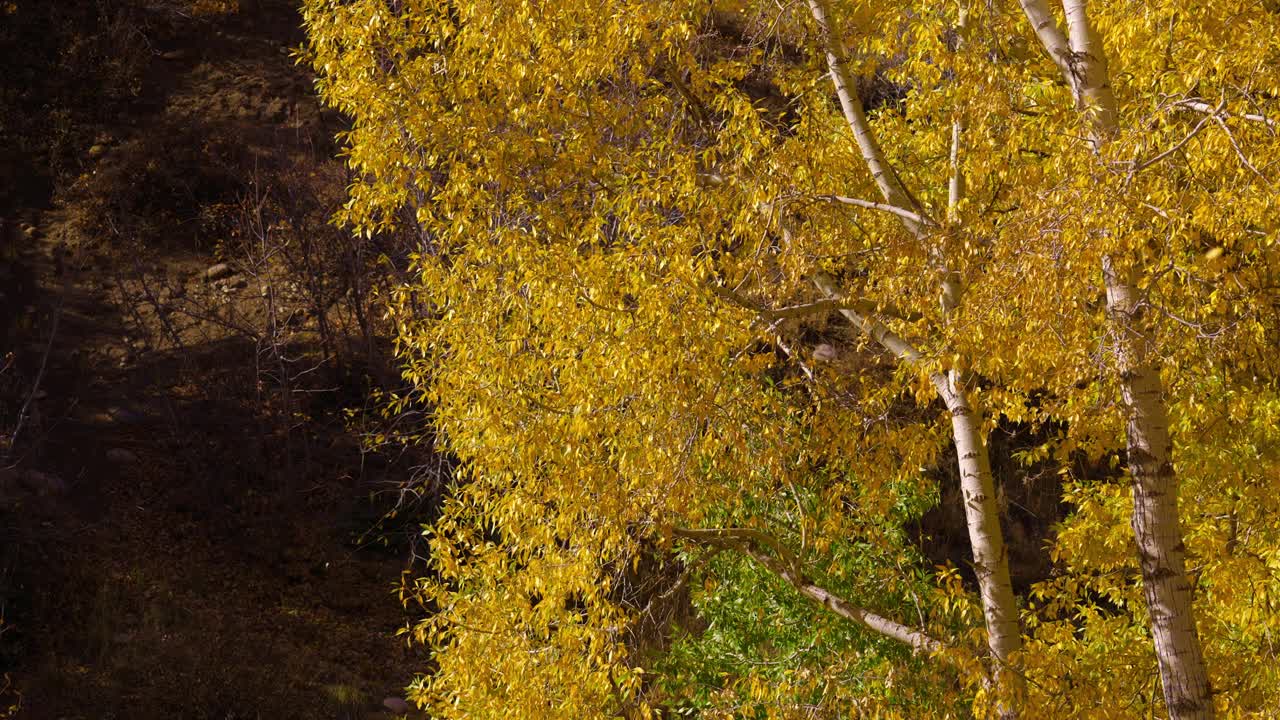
(1139,167)
(44,363)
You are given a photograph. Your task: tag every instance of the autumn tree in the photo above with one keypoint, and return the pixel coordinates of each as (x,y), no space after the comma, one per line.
(705,289)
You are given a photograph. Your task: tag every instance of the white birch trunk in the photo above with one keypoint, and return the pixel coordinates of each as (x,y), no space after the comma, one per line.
(1157,530)
(891,187)
(982,516)
(986,539)
(990,557)
(1156,525)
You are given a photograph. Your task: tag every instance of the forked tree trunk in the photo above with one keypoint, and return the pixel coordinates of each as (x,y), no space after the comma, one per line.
(982,516)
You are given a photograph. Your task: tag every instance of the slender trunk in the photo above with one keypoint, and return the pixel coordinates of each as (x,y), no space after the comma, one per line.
(951,281)
(1156,526)
(887,180)
(990,559)
(977,485)
(955,186)
(982,516)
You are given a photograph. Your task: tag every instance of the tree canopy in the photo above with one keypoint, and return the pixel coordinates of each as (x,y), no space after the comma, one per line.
(705,292)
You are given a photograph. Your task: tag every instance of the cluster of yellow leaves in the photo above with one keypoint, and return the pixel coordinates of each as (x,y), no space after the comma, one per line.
(584,180)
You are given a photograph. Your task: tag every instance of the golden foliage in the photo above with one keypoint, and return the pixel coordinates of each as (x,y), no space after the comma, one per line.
(620,206)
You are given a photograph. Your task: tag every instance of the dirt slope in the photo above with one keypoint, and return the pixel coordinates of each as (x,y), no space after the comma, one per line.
(182,506)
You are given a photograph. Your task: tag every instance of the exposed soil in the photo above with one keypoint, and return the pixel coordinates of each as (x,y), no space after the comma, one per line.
(183,512)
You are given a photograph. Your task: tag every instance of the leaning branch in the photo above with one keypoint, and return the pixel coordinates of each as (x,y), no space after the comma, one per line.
(876,330)
(1052,39)
(891,187)
(776,557)
(1143,165)
(903,213)
(765,312)
(899,346)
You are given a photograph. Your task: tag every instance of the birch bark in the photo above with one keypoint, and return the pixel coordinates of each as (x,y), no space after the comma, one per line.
(986,538)
(1156,526)
(1157,530)
(982,516)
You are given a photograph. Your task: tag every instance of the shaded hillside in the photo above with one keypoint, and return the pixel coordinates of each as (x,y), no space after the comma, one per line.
(184,512)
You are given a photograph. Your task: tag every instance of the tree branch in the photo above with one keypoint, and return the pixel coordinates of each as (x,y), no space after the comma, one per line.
(903,213)
(1204,122)
(876,330)
(891,186)
(782,562)
(1204,107)
(1052,39)
(790,311)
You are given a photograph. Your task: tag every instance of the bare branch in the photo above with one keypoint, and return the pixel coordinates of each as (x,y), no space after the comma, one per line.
(1204,107)
(790,311)
(864,321)
(883,207)
(1244,159)
(891,186)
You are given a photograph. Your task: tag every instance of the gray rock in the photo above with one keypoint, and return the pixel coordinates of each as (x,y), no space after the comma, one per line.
(397,705)
(120,456)
(218,271)
(40,483)
(825,353)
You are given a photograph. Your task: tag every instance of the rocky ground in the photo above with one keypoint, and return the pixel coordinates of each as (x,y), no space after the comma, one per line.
(184,510)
